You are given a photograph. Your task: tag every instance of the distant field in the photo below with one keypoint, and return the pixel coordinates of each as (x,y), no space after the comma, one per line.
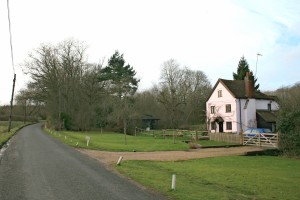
(236,177)
(109,141)
(3,129)
(4,125)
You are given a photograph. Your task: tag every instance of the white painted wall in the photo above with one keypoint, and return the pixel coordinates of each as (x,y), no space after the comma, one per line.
(220,107)
(263,104)
(250,114)
(240,114)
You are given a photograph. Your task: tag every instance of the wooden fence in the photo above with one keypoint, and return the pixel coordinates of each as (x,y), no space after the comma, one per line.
(226,137)
(192,134)
(261,139)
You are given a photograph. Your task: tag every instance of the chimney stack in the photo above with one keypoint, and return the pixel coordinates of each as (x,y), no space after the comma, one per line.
(249,85)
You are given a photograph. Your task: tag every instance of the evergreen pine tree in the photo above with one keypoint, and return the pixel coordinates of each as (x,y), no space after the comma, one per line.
(243,67)
(121,78)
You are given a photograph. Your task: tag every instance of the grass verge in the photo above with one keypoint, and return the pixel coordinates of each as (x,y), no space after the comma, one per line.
(236,177)
(4,135)
(109,141)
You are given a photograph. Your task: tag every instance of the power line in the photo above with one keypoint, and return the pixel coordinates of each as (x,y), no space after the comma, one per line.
(10,35)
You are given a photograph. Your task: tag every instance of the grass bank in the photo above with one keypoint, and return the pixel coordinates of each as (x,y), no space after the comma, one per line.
(4,134)
(236,177)
(109,141)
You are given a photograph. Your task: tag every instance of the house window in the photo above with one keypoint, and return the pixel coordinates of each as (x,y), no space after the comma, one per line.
(228,108)
(269,107)
(220,93)
(213,126)
(228,125)
(212,110)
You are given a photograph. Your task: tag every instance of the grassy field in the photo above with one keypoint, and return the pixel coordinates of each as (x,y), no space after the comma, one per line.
(116,142)
(4,135)
(4,125)
(237,177)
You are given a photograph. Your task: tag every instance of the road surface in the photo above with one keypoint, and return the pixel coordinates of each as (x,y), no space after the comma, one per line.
(37,166)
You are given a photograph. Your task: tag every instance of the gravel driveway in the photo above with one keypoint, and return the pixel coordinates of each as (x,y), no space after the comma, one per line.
(110,158)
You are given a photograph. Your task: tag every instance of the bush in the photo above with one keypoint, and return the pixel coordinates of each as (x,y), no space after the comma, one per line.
(289,128)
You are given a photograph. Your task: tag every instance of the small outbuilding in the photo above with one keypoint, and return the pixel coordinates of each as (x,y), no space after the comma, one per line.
(149,122)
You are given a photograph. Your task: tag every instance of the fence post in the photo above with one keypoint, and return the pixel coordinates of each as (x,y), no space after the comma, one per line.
(174,137)
(120,160)
(241,137)
(173,182)
(277,139)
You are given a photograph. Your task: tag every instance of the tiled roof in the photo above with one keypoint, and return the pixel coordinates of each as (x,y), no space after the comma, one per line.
(237,89)
(268,116)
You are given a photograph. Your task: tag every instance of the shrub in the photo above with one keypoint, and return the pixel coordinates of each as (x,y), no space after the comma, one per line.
(289,128)
(288,123)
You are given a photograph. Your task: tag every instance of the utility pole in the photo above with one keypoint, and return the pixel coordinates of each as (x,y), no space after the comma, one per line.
(13,66)
(11,103)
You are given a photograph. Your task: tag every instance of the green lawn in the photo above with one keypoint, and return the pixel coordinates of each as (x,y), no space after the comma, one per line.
(236,177)
(116,142)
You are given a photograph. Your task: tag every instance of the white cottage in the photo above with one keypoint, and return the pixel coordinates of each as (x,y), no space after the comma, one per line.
(234,106)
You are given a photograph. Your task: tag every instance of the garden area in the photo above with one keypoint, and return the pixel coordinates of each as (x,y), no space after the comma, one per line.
(162,140)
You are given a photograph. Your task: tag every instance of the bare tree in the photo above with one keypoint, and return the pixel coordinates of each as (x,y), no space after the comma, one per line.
(182,92)
(65,83)
(169,92)
(31,106)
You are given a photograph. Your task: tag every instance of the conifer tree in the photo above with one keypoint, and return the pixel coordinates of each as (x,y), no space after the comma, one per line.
(122,83)
(242,69)
(121,78)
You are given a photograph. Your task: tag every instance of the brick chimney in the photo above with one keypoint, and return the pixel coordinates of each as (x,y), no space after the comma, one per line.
(249,85)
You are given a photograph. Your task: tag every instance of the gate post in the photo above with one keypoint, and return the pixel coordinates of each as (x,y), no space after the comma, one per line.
(241,137)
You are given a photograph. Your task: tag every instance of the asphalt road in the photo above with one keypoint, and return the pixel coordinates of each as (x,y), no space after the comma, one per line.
(37,166)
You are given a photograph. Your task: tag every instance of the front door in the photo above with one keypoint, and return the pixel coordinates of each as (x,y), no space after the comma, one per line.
(221,127)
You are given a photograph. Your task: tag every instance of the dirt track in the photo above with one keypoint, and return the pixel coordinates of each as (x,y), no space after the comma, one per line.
(110,158)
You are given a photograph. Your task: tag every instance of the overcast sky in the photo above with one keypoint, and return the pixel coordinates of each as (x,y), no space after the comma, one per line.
(206,35)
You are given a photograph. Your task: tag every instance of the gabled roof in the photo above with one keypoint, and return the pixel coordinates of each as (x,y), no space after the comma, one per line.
(237,90)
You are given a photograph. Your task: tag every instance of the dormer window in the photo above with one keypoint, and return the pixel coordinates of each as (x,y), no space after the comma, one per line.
(219,93)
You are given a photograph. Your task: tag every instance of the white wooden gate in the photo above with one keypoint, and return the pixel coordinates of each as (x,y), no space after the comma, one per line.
(261,139)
